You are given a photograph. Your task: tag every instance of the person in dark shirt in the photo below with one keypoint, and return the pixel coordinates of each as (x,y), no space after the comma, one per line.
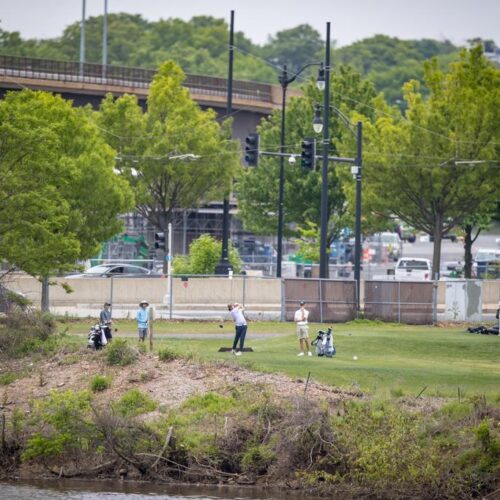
(105,321)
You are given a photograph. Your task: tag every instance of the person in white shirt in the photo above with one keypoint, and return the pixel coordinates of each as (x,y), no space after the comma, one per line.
(301,316)
(240,323)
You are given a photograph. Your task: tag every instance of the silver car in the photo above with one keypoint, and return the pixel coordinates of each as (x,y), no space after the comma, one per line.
(117,270)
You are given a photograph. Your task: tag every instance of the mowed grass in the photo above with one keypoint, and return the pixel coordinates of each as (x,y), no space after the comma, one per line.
(392,359)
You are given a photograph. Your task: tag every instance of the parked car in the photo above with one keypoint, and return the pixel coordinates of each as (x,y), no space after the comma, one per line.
(117,270)
(413,268)
(487,263)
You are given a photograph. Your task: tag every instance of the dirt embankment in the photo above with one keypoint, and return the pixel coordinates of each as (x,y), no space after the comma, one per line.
(168,383)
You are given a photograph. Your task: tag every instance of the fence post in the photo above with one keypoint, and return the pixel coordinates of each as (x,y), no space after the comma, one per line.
(244,290)
(171,296)
(320,301)
(283,300)
(399,301)
(111,295)
(434,302)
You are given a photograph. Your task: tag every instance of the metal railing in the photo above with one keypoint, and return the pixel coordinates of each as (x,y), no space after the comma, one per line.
(72,71)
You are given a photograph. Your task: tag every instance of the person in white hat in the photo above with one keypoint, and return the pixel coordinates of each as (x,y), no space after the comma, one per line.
(142,318)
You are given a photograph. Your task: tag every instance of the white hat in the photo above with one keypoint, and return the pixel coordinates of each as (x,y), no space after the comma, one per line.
(144,302)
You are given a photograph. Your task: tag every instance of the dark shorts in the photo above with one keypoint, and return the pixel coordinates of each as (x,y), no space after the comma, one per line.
(107,332)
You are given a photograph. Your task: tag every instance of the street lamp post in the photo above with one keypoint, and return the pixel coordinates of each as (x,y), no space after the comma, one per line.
(285,79)
(323,255)
(357,229)
(356,173)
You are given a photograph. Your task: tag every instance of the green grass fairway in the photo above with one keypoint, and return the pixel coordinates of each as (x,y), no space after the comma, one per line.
(393,360)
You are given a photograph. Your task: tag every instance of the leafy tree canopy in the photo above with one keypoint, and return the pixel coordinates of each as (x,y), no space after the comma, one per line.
(59,196)
(204,255)
(416,166)
(199,46)
(258,189)
(175,155)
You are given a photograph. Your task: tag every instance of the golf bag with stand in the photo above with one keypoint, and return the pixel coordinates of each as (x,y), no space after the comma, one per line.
(96,338)
(324,343)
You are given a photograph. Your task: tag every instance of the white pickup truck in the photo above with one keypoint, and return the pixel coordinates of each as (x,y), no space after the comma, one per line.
(413,268)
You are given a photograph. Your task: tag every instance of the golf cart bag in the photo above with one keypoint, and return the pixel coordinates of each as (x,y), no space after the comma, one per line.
(96,338)
(484,330)
(324,343)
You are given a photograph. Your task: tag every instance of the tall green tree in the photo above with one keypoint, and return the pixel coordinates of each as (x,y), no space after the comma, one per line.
(204,255)
(294,47)
(175,155)
(390,62)
(434,167)
(258,188)
(59,196)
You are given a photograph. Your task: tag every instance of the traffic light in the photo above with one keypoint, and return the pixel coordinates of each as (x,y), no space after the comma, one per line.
(308,156)
(160,241)
(252,150)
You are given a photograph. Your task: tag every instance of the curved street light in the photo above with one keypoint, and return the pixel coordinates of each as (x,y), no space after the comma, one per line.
(285,79)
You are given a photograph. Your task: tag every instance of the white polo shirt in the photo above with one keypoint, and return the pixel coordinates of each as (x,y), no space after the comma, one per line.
(301,316)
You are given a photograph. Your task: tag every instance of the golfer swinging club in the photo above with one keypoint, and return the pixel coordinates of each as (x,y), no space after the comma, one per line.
(240,323)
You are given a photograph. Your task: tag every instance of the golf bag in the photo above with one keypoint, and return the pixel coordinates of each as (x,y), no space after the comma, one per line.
(484,330)
(324,343)
(96,338)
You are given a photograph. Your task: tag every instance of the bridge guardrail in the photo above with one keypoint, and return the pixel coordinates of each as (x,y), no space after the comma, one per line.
(31,67)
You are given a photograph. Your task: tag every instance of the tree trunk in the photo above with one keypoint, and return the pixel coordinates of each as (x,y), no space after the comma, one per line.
(436,255)
(468,251)
(45,294)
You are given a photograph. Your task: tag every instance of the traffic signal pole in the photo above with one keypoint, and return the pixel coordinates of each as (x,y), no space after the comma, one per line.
(323,253)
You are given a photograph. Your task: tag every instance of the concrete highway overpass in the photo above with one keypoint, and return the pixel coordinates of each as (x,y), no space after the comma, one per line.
(88,83)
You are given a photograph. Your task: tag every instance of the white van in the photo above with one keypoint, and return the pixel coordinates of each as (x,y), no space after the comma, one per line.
(413,268)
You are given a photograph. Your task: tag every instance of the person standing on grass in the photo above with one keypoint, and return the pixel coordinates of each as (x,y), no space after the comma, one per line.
(142,318)
(236,311)
(105,321)
(300,318)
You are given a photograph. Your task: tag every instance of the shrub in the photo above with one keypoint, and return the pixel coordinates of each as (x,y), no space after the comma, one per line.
(64,423)
(257,459)
(7,378)
(120,353)
(134,402)
(25,332)
(204,253)
(100,383)
(167,354)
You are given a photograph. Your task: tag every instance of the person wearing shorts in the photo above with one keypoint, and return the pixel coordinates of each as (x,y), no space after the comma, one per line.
(142,318)
(300,318)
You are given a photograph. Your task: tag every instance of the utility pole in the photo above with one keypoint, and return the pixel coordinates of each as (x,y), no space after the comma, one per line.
(357,230)
(82,39)
(223,267)
(105,39)
(323,254)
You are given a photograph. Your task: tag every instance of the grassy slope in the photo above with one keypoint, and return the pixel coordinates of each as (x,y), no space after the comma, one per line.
(397,359)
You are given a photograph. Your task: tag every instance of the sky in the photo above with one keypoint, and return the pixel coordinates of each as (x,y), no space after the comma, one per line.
(454,20)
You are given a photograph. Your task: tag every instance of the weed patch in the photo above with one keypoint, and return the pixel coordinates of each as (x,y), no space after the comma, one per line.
(100,383)
(120,353)
(133,403)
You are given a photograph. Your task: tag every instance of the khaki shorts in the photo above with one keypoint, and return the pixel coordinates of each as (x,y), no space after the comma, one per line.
(303,332)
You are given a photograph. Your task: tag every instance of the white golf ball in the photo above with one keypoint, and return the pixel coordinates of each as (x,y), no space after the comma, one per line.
(355,358)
